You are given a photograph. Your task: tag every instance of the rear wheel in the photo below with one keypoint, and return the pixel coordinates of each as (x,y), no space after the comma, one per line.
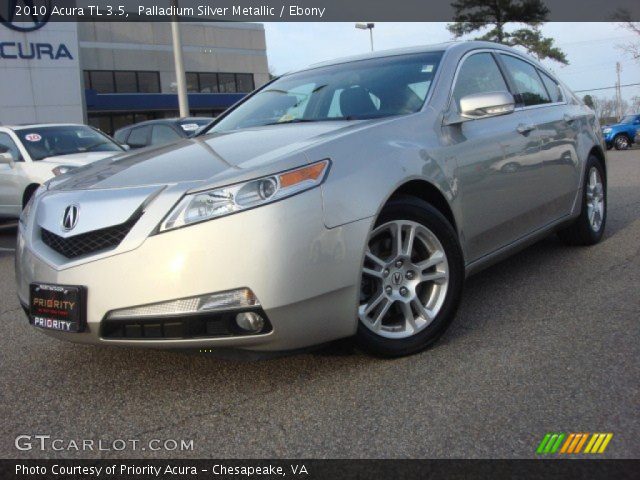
(621,142)
(588,228)
(411,279)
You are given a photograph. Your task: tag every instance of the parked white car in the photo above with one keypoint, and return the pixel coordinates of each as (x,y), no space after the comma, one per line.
(32,154)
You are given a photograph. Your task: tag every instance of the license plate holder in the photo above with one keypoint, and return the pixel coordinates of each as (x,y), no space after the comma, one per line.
(58,307)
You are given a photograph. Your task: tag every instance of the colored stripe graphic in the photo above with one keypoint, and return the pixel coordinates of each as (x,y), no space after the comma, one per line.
(573,443)
(550,443)
(598,443)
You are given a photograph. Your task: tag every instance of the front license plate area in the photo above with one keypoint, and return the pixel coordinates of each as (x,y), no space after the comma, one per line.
(57,307)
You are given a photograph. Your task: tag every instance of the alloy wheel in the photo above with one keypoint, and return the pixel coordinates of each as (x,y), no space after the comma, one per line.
(404,279)
(595,200)
(622,142)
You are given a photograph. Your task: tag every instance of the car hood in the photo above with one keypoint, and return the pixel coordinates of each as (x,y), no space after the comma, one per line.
(208,159)
(77,159)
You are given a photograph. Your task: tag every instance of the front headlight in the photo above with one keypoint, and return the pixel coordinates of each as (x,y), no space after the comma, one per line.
(62,169)
(606,130)
(26,211)
(201,206)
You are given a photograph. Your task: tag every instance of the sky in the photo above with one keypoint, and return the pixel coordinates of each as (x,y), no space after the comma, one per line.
(590,48)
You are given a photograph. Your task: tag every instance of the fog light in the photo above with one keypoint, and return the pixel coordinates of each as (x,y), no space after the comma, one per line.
(250,321)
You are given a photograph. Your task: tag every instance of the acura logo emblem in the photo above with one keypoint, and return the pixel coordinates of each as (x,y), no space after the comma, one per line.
(34,14)
(70,217)
(397,278)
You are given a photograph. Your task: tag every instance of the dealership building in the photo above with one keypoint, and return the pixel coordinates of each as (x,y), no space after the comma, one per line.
(111,74)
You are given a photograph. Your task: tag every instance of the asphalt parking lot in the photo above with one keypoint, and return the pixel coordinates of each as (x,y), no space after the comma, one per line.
(546,341)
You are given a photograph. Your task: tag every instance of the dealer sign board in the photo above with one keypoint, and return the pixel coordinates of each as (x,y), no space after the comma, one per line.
(40,77)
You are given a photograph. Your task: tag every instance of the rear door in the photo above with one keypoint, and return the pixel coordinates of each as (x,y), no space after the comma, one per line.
(557,173)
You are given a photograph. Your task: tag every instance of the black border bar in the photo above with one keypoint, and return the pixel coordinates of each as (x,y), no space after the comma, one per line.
(305,10)
(339,469)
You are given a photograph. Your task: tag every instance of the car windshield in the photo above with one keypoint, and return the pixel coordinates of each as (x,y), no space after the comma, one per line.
(52,141)
(364,89)
(628,119)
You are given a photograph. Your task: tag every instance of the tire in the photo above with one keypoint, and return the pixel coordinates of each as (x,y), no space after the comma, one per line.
(432,274)
(584,231)
(621,142)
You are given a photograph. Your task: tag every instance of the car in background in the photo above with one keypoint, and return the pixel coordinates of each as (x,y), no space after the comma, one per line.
(160,131)
(32,154)
(622,134)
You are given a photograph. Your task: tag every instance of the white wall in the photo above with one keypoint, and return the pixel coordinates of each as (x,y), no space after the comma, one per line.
(45,89)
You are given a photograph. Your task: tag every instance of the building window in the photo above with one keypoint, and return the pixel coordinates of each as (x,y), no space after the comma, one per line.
(205,82)
(208,82)
(126,82)
(102,81)
(109,81)
(227,82)
(148,82)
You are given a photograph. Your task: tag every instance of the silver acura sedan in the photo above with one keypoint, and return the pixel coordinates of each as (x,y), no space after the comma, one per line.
(351,198)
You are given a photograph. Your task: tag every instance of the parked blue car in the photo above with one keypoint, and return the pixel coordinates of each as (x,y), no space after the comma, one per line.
(622,135)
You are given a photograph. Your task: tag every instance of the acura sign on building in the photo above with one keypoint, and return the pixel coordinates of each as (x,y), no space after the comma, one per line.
(40,77)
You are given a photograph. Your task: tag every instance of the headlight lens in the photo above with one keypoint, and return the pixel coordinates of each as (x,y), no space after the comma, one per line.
(219,202)
(606,130)
(62,169)
(26,211)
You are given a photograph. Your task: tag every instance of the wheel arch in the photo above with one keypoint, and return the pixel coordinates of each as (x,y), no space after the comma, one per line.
(597,152)
(32,187)
(424,190)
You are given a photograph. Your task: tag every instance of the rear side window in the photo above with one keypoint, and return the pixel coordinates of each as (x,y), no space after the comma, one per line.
(121,136)
(163,134)
(139,136)
(479,74)
(553,88)
(531,91)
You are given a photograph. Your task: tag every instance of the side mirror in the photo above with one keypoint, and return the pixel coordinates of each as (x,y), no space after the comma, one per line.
(489,104)
(126,147)
(6,158)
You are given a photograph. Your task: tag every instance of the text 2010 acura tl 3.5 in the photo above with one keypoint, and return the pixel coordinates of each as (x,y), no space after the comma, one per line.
(347,199)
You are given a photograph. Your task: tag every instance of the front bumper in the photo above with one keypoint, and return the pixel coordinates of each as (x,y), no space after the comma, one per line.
(304,275)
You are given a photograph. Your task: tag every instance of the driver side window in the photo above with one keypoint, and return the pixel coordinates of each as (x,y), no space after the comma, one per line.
(8,145)
(479,74)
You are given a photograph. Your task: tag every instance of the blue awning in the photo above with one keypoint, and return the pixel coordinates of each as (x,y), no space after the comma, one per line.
(130,102)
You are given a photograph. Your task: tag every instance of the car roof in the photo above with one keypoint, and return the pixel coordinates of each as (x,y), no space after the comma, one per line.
(165,121)
(26,126)
(462,46)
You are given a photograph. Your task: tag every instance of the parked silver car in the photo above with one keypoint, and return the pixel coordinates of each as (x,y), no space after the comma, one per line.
(347,199)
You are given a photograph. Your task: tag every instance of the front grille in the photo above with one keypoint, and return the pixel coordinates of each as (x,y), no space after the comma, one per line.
(209,325)
(90,242)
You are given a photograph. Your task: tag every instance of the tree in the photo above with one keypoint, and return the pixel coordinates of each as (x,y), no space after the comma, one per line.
(588,101)
(632,48)
(474,15)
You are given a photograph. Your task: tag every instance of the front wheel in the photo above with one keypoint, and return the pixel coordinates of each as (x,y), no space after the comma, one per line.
(412,279)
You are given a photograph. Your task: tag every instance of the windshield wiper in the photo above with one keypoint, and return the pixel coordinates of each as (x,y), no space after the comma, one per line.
(293,120)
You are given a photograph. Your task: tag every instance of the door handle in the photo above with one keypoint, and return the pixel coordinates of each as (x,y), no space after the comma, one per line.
(569,119)
(524,129)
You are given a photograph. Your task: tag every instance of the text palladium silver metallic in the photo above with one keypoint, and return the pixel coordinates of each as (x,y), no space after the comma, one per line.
(348,199)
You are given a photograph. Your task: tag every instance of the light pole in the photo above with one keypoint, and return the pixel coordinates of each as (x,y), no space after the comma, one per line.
(181,80)
(367,26)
